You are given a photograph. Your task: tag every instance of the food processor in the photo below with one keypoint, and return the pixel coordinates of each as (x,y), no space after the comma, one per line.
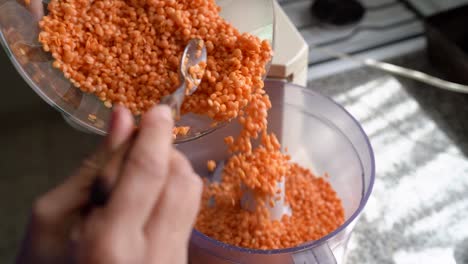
(318,133)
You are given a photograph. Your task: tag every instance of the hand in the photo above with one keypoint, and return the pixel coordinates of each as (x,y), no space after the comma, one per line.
(149,215)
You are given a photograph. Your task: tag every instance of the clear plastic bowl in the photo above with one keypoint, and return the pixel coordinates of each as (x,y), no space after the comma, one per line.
(320,135)
(19,33)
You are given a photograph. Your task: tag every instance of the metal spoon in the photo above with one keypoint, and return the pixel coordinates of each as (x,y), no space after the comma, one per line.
(194,56)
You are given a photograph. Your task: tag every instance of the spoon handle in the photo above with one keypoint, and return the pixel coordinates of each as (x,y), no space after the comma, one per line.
(175,100)
(100,190)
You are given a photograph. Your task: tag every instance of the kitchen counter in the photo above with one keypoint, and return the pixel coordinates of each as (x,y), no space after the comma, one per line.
(418,212)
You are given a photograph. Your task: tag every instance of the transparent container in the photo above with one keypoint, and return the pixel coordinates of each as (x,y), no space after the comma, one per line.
(320,135)
(19,37)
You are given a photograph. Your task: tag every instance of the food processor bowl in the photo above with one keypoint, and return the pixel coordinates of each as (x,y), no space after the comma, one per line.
(319,135)
(19,37)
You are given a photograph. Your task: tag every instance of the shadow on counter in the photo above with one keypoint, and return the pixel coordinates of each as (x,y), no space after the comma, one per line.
(448,109)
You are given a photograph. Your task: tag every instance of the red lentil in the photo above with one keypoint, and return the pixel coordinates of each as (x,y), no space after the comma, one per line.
(92,117)
(211,165)
(316,208)
(128,52)
(182,130)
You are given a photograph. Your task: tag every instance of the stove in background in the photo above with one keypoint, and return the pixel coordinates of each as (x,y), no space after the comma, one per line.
(389,28)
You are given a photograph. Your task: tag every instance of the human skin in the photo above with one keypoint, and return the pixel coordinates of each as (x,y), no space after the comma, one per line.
(149,215)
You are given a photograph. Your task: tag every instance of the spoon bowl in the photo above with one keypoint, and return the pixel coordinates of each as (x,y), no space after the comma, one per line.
(191,73)
(195,55)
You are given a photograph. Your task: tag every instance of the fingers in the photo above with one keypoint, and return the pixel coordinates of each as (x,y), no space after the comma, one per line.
(117,144)
(101,188)
(57,206)
(121,127)
(170,224)
(155,200)
(145,171)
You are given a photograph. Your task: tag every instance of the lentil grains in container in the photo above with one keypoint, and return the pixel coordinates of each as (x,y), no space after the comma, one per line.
(128,52)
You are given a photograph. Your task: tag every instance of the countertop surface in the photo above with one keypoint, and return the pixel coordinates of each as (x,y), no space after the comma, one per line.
(418,212)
